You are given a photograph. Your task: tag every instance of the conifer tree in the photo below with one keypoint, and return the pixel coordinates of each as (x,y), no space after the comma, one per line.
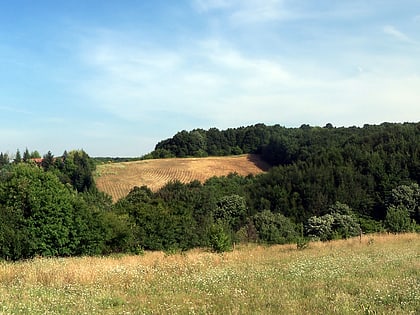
(18,157)
(26,155)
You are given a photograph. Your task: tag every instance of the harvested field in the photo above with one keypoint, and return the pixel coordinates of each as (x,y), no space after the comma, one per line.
(117,179)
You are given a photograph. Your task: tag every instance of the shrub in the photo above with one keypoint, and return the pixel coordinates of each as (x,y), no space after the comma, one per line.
(302,243)
(398,219)
(274,228)
(340,223)
(219,239)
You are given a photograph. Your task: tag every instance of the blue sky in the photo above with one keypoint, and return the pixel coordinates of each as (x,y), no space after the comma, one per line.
(115,77)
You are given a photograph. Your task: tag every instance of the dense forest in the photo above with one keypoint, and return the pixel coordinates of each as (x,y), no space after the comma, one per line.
(324,183)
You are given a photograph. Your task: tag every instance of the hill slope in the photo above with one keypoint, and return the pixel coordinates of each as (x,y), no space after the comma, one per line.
(117,179)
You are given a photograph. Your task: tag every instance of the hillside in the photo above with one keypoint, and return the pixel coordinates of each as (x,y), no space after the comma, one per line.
(117,179)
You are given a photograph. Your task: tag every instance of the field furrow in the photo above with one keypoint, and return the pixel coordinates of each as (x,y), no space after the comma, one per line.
(117,179)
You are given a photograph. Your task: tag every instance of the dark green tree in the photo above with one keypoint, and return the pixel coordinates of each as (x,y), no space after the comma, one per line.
(77,168)
(4,159)
(26,156)
(18,157)
(15,240)
(48,218)
(47,161)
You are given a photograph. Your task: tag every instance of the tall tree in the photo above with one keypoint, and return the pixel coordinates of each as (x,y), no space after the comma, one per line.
(18,157)
(81,169)
(47,161)
(4,159)
(26,155)
(407,196)
(35,155)
(48,218)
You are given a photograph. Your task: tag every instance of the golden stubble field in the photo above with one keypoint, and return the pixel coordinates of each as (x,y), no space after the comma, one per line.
(117,179)
(378,275)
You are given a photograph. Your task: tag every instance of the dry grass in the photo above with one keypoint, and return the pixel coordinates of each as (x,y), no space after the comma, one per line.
(380,275)
(117,179)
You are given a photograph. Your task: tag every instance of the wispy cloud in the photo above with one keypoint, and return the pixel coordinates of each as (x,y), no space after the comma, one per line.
(156,69)
(199,80)
(14,109)
(246,11)
(208,5)
(216,84)
(212,81)
(242,12)
(261,11)
(397,34)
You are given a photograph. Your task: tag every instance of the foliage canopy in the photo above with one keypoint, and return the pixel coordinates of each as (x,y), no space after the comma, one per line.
(334,182)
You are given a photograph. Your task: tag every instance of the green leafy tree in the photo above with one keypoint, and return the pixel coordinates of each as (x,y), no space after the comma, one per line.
(338,223)
(398,219)
(77,168)
(340,208)
(231,209)
(274,228)
(320,227)
(35,155)
(407,196)
(14,238)
(162,221)
(48,217)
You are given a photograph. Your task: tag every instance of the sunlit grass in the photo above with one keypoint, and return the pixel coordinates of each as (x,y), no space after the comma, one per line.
(380,275)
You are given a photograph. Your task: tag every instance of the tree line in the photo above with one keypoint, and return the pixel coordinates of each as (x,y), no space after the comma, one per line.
(314,167)
(324,183)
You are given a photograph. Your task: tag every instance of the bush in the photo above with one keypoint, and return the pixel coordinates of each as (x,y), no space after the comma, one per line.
(219,239)
(320,227)
(274,228)
(302,243)
(370,225)
(340,223)
(398,219)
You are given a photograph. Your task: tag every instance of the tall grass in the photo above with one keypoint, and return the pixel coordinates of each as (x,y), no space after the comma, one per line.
(379,275)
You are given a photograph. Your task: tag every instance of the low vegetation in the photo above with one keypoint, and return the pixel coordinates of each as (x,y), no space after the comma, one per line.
(379,274)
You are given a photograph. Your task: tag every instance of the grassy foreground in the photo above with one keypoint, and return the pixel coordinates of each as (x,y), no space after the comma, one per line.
(379,275)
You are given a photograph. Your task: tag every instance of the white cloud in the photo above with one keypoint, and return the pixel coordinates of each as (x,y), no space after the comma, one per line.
(15,109)
(198,81)
(243,12)
(209,5)
(246,11)
(216,84)
(261,11)
(394,32)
